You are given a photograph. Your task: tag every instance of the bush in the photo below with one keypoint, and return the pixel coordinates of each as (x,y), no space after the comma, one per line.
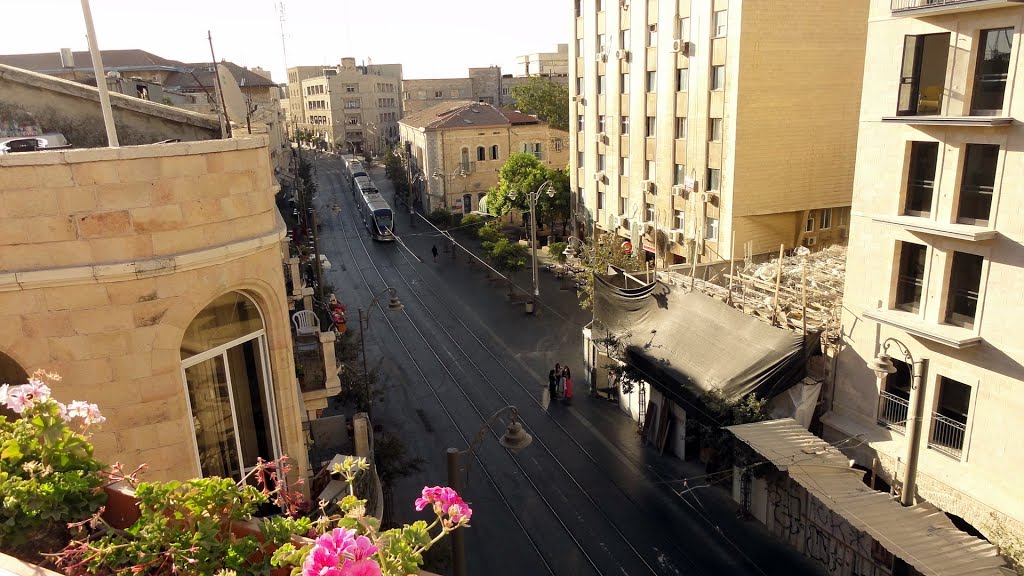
(472,220)
(489,233)
(440,217)
(555,249)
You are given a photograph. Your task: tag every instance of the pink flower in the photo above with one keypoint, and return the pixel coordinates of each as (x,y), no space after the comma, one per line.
(361,549)
(89,413)
(445,501)
(36,390)
(327,553)
(4,393)
(16,400)
(361,568)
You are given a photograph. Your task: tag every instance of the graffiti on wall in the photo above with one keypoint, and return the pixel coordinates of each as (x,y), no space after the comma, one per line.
(822,535)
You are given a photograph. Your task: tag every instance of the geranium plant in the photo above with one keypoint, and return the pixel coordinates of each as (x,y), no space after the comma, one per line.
(48,476)
(357,547)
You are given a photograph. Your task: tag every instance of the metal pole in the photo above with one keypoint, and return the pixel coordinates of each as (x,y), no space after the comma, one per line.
(913,433)
(533,239)
(457,537)
(101,78)
(365,319)
(220,89)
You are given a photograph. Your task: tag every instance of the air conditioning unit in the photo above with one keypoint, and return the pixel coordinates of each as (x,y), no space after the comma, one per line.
(602,136)
(622,54)
(679,237)
(602,55)
(678,190)
(844,233)
(646,185)
(624,222)
(810,241)
(599,176)
(681,46)
(648,228)
(708,196)
(575,98)
(624,4)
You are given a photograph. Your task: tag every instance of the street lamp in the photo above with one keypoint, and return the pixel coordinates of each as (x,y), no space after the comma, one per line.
(882,366)
(531,198)
(364,324)
(514,439)
(448,179)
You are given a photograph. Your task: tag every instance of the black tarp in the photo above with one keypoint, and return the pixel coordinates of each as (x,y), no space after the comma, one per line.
(687,344)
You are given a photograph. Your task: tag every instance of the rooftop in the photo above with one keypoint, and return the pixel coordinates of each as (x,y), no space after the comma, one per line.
(465,113)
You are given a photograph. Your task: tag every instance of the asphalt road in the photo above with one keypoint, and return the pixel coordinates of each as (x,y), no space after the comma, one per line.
(585,497)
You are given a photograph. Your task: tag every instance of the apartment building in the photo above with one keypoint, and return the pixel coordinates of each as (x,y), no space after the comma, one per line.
(545,64)
(935,262)
(348,108)
(707,128)
(457,148)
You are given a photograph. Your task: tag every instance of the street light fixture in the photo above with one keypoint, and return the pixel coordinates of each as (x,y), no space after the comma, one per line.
(531,199)
(882,365)
(448,180)
(364,324)
(514,439)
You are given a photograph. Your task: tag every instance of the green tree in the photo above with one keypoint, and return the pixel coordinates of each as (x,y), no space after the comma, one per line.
(508,257)
(394,168)
(521,173)
(548,100)
(557,207)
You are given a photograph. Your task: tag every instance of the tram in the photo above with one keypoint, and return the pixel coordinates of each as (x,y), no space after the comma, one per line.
(377,216)
(364,186)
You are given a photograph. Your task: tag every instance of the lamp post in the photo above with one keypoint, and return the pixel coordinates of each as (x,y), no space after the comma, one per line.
(882,366)
(448,179)
(364,324)
(531,199)
(514,438)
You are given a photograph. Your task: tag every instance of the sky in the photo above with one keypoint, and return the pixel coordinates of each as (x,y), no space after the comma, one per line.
(430,38)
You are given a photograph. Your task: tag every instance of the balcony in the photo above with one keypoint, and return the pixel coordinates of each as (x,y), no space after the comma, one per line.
(947,436)
(892,412)
(945,334)
(934,120)
(916,8)
(921,225)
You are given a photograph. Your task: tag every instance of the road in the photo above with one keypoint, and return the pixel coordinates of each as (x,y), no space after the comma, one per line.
(585,497)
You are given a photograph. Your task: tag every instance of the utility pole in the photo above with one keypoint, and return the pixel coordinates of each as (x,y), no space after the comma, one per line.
(220,90)
(101,77)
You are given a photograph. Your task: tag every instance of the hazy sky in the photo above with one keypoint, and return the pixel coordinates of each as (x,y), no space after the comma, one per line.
(431,38)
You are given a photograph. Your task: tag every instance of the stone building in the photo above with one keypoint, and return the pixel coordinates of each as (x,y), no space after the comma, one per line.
(457,148)
(935,262)
(699,121)
(151,277)
(486,85)
(545,64)
(347,108)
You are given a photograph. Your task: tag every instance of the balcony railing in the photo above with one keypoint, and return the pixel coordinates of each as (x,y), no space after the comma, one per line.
(892,412)
(901,5)
(947,435)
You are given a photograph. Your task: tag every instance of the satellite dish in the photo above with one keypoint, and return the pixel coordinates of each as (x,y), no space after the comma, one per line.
(233,99)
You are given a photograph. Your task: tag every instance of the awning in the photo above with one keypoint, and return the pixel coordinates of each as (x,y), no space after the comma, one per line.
(921,535)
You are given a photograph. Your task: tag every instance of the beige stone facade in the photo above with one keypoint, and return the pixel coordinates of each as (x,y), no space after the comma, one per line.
(107,256)
(348,107)
(700,120)
(418,95)
(457,149)
(549,64)
(935,259)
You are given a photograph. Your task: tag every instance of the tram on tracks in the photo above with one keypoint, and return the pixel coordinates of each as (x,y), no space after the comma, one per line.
(377,216)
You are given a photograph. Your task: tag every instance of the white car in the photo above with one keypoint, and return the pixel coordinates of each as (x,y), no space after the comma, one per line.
(325,264)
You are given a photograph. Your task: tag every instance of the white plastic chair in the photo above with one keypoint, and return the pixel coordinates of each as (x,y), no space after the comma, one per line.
(306,322)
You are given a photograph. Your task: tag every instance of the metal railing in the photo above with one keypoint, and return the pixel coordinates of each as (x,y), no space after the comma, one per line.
(898,5)
(947,435)
(893,411)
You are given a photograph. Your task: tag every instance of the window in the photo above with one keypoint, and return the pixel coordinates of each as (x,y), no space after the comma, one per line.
(682,79)
(921,184)
(964,286)
(716,129)
(600,199)
(651,171)
(624,125)
(579,123)
(534,148)
(683,33)
(949,422)
(809,224)
(602,43)
(602,163)
(600,5)
(624,39)
(719,27)
(894,399)
(624,166)
(681,128)
(600,84)
(924,74)
(438,94)
(990,73)
(717,77)
(580,158)
(910,282)
(824,219)
(464,160)
(579,46)
(711,229)
(714,179)
(601,123)
(624,82)
(624,206)
(652,80)
(977,184)
(226,365)
(651,127)
(350,88)
(579,86)
(494,152)
(649,211)
(680,174)
(481,153)
(652,35)
(679,219)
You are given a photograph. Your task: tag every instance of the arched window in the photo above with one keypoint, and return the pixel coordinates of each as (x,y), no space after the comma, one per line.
(481,153)
(10,373)
(494,152)
(464,160)
(226,370)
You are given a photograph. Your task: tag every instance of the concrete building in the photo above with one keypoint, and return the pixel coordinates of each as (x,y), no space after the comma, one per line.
(545,64)
(151,277)
(700,121)
(348,108)
(487,85)
(935,262)
(457,148)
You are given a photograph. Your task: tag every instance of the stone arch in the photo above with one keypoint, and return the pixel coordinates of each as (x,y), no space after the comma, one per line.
(11,372)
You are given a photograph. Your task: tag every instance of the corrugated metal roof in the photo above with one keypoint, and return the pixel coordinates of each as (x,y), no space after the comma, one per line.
(921,535)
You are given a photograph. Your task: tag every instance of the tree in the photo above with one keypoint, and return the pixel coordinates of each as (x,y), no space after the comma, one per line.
(394,168)
(605,250)
(557,207)
(521,173)
(508,257)
(548,100)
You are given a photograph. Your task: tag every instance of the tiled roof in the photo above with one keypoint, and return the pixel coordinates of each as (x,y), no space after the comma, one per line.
(464,114)
(185,81)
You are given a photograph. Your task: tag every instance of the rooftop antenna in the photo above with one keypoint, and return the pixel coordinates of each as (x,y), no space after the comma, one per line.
(231,96)
(101,78)
(284,49)
(220,90)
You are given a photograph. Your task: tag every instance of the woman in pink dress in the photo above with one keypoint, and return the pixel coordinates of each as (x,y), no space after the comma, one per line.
(568,382)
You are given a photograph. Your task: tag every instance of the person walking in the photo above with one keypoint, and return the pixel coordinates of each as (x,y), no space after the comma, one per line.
(568,382)
(558,379)
(433,251)
(552,383)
